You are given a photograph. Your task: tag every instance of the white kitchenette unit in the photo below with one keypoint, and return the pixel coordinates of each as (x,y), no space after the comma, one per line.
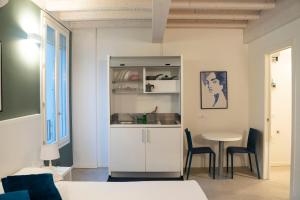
(146,131)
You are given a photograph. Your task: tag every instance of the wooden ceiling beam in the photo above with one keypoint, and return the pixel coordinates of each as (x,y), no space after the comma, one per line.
(104,15)
(111,24)
(228,15)
(223,5)
(225,26)
(96,5)
(160,13)
(207,24)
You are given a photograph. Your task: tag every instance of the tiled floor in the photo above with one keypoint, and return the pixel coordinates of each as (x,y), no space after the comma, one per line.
(99,174)
(244,186)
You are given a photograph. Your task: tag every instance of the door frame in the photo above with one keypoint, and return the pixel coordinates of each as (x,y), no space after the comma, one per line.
(267,111)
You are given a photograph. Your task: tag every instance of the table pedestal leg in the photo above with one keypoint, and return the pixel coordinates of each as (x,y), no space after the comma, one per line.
(220,162)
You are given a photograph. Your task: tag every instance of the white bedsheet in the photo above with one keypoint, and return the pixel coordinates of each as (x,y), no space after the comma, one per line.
(1,188)
(149,190)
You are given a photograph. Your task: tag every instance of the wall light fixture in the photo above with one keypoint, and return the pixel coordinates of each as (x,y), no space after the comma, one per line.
(35,38)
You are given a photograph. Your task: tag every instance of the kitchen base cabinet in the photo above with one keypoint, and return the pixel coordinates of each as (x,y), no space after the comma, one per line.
(145,149)
(127,150)
(163,150)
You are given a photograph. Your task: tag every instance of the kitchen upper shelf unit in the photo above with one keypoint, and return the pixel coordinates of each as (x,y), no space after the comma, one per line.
(148,74)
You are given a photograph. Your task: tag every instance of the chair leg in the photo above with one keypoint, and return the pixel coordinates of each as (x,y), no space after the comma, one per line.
(209,166)
(187,158)
(227,161)
(249,155)
(214,166)
(189,167)
(231,165)
(258,174)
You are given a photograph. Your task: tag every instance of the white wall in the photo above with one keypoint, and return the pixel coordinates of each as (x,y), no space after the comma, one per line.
(84,98)
(20,143)
(281,109)
(203,49)
(212,49)
(288,35)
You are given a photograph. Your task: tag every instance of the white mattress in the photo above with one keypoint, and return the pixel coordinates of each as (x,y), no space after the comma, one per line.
(156,190)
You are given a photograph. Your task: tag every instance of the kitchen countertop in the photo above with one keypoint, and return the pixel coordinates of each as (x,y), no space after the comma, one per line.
(144,126)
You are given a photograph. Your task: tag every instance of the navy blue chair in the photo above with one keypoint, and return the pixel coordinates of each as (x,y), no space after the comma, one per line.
(198,150)
(250,149)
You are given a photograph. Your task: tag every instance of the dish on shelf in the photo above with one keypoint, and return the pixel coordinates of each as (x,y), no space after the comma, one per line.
(126,76)
(166,77)
(117,77)
(134,76)
(120,75)
(153,77)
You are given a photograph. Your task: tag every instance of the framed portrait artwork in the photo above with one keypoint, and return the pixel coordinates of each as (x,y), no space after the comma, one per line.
(0,76)
(213,90)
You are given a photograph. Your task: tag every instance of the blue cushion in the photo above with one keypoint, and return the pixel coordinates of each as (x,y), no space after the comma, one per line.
(39,186)
(19,195)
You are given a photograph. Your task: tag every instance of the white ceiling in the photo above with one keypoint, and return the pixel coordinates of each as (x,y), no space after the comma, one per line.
(158,14)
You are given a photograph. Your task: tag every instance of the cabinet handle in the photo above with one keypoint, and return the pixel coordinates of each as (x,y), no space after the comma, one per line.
(148,136)
(143,136)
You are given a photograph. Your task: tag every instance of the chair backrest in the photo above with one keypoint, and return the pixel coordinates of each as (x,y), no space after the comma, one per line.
(252,139)
(189,139)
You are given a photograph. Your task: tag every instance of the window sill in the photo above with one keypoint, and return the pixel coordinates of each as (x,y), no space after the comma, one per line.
(63,143)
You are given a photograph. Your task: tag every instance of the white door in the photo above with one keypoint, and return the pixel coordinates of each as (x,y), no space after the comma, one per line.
(281,108)
(127,150)
(163,150)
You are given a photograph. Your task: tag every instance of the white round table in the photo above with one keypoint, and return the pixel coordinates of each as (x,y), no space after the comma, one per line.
(221,137)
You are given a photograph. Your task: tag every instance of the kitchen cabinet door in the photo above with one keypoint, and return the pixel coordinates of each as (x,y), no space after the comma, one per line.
(163,150)
(127,150)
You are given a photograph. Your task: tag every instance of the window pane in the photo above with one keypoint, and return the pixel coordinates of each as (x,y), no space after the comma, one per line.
(50,87)
(63,131)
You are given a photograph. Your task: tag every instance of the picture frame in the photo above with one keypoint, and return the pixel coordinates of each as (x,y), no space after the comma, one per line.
(0,76)
(213,90)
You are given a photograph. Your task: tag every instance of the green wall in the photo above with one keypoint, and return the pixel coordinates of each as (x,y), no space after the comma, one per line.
(20,74)
(21,65)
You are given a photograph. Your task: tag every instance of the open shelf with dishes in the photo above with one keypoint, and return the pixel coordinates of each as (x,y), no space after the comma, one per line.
(164,79)
(139,84)
(155,80)
(126,80)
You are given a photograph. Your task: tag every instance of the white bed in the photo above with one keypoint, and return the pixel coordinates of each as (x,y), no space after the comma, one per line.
(154,190)
(150,190)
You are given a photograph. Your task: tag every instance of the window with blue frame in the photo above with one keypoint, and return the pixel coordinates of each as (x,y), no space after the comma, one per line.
(56,83)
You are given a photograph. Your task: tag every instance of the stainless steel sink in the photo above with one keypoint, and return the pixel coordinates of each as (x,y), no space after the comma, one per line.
(168,122)
(151,118)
